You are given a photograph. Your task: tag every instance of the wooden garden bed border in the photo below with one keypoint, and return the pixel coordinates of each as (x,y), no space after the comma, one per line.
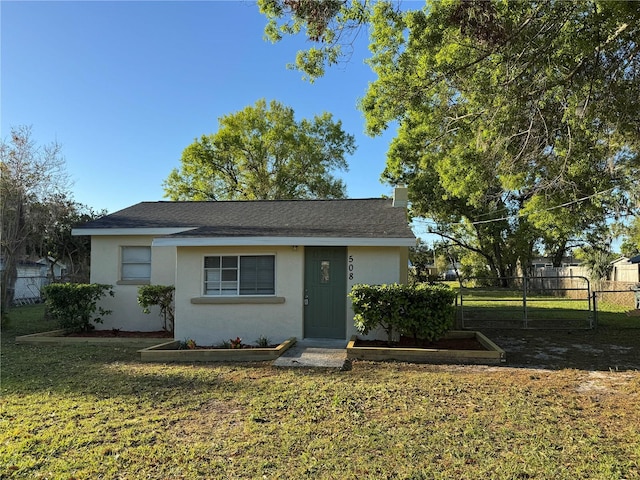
(58,337)
(168,352)
(493,355)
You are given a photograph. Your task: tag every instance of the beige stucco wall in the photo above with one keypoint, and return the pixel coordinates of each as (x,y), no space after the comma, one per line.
(214,323)
(105,268)
(210,324)
(374,266)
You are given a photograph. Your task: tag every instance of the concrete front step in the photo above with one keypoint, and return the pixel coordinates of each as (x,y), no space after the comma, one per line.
(318,353)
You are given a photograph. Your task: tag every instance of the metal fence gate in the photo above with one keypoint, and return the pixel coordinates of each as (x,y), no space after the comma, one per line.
(555,302)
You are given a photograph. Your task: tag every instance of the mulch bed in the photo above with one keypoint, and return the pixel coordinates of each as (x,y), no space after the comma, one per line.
(219,347)
(122,334)
(442,344)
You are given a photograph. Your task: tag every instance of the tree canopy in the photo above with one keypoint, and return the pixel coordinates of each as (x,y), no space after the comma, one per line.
(631,239)
(262,152)
(517,121)
(36,209)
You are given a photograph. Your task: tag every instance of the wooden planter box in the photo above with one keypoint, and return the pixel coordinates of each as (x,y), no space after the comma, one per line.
(57,337)
(168,352)
(493,355)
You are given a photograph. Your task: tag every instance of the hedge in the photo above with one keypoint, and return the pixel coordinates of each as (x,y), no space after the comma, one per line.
(74,305)
(422,311)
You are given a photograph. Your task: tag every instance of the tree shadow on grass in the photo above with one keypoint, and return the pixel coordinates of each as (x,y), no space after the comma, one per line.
(104,371)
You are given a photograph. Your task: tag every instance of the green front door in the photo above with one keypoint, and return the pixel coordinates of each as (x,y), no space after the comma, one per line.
(325,292)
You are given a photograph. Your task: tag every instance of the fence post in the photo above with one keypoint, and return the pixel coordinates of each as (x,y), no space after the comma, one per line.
(524,301)
(461,307)
(595,310)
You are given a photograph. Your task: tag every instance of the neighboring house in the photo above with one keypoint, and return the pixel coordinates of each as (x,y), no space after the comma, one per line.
(625,269)
(249,268)
(453,272)
(547,262)
(31,277)
(570,267)
(50,264)
(428,269)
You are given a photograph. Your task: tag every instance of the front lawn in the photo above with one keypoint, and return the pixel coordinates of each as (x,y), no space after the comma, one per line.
(97,412)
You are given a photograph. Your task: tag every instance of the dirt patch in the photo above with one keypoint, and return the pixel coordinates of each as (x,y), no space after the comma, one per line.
(602,349)
(212,416)
(121,333)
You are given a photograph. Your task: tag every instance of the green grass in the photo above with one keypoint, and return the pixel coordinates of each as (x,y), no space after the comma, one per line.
(506,306)
(75,412)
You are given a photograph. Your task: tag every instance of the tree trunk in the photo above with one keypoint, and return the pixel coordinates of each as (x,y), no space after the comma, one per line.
(559,255)
(9,277)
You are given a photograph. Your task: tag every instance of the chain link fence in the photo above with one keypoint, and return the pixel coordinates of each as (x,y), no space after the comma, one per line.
(554,302)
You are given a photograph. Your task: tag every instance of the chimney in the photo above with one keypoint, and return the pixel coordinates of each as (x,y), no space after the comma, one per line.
(400,197)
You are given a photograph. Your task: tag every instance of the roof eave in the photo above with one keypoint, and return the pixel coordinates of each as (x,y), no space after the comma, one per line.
(130,231)
(279,241)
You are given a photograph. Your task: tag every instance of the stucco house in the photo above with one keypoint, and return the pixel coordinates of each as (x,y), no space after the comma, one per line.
(249,268)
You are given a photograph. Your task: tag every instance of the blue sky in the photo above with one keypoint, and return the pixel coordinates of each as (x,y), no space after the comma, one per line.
(124,87)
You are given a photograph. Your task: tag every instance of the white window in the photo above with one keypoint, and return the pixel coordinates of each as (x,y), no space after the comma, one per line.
(136,264)
(239,275)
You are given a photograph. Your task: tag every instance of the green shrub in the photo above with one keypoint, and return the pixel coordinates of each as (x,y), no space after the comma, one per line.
(162,296)
(73,305)
(429,312)
(374,307)
(422,311)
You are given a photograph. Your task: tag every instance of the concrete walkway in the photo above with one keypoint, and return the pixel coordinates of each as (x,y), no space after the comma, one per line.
(315,352)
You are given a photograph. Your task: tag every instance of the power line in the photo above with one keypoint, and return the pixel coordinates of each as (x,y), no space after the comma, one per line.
(521,214)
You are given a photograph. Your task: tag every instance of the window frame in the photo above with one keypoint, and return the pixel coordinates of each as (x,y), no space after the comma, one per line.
(224,293)
(129,280)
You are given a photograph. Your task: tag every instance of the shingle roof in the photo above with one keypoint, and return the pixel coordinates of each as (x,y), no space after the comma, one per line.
(352,218)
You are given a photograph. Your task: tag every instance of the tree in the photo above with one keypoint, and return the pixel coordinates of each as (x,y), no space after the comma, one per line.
(55,240)
(598,261)
(630,245)
(262,152)
(517,120)
(330,24)
(31,176)
(422,258)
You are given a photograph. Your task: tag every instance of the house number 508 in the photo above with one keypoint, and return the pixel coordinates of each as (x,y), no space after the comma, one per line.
(350,267)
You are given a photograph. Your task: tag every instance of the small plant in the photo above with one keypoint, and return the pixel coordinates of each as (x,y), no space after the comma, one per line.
(225,344)
(237,343)
(162,296)
(262,341)
(115,332)
(189,344)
